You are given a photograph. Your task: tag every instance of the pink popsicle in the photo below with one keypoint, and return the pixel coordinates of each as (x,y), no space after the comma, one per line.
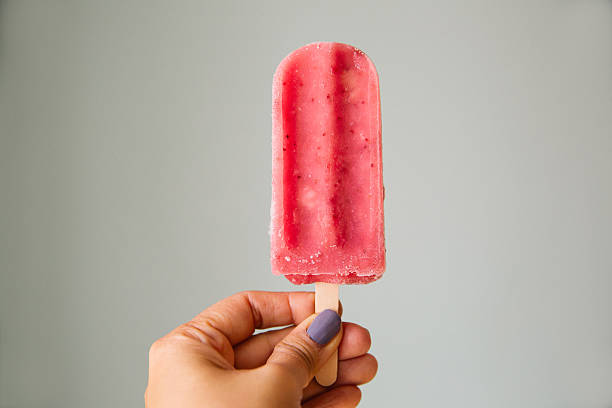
(327,191)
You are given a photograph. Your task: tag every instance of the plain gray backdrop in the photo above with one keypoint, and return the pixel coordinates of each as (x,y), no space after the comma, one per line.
(135,191)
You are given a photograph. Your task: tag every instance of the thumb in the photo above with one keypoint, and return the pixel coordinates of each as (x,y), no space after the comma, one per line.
(307,347)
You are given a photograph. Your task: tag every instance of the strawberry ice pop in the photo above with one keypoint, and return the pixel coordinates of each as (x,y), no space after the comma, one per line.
(327,192)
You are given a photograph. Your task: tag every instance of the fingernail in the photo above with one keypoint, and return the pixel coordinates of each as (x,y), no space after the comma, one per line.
(324,327)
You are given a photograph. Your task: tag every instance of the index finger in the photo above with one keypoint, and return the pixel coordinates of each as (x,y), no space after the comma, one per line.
(237,316)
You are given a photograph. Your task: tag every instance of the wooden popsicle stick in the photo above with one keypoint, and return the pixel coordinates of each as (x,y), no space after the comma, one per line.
(326,297)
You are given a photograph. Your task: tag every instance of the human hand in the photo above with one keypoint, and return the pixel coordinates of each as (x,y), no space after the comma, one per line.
(215,360)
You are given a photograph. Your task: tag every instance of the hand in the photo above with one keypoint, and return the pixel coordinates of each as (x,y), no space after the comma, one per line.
(215,360)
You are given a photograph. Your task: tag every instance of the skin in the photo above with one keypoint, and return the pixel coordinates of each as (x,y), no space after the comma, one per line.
(216,360)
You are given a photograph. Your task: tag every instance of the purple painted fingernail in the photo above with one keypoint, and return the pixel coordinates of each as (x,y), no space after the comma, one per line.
(324,327)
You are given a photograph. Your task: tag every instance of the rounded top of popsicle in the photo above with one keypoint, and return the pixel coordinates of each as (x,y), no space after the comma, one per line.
(327,48)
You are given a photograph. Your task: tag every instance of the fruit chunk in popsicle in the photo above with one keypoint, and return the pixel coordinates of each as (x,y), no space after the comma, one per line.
(327,192)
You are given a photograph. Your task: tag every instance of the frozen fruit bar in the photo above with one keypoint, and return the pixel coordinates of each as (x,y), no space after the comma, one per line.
(327,192)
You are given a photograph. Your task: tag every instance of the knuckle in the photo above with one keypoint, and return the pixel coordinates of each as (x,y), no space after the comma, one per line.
(249,299)
(299,348)
(156,348)
(161,347)
(243,294)
(204,332)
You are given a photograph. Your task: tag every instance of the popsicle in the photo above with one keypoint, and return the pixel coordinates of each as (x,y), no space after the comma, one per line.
(327,224)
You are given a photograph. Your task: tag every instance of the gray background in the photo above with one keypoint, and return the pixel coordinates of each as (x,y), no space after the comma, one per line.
(135,188)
